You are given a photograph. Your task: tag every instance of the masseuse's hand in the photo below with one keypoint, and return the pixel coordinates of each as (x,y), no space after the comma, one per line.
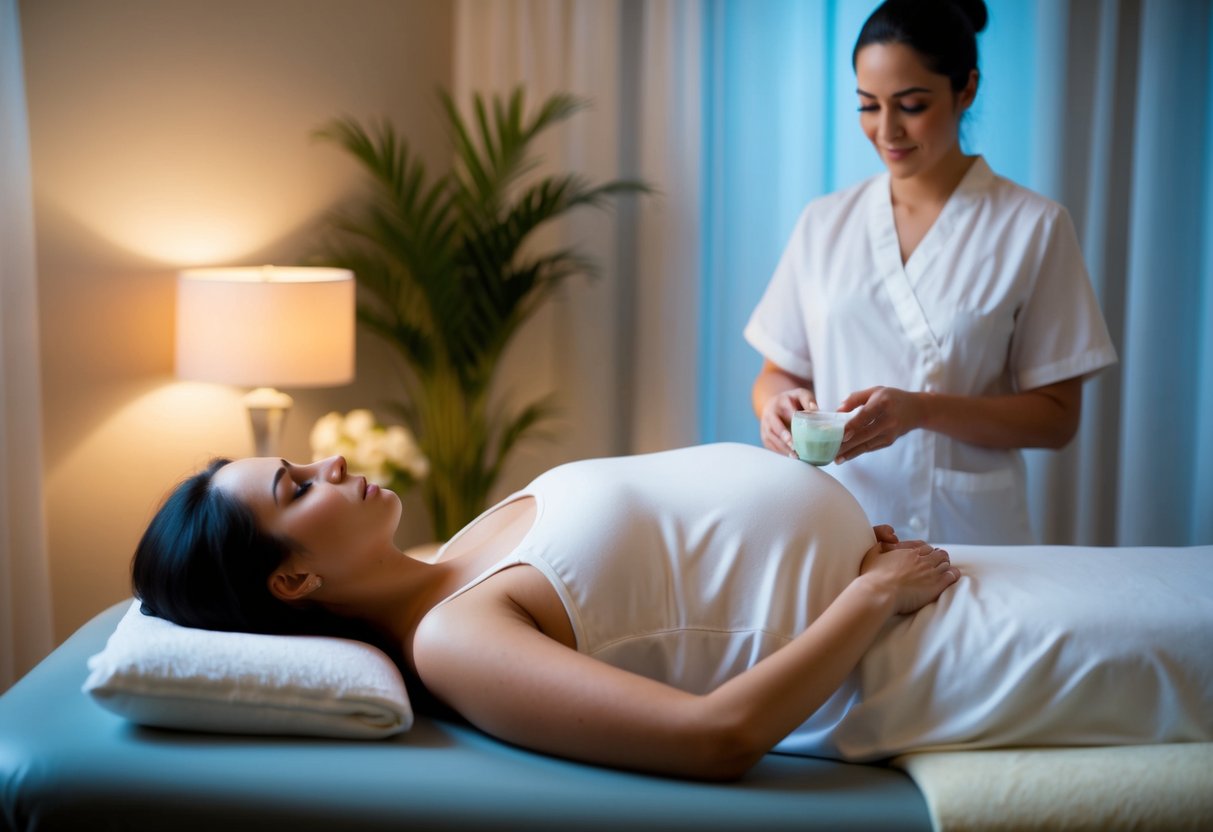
(914,576)
(888,413)
(776,424)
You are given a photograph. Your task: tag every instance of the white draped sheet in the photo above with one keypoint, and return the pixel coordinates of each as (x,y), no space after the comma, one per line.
(1045,646)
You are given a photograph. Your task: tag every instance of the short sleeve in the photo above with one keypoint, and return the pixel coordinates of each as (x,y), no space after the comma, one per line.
(777,325)
(1060,332)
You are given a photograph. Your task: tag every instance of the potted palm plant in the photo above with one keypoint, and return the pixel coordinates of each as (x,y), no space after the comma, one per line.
(447,278)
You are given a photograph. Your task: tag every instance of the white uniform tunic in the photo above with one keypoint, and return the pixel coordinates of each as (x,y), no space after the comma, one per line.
(690,566)
(995,299)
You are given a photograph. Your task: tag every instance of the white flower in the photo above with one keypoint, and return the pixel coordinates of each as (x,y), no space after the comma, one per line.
(419,467)
(402,450)
(377,453)
(381,476)
(325,435)
(344,447)
(369,452)
(399,446)
(358,423)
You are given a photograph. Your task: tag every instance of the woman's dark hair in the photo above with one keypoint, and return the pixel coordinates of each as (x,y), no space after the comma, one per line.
(202,562)
(943,32)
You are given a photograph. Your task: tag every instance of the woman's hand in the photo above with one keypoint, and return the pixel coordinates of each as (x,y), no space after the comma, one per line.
(775,425)
(885,534)
(913,573)
(888,414)
(888,535)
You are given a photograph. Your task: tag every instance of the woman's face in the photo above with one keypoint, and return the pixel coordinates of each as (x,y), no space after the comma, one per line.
(909,114)
(335,524)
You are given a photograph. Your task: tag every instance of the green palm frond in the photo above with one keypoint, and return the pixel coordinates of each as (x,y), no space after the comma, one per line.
(526,424)
(382,153)
(533,281)
(448,275)
(415,345)
(493,153)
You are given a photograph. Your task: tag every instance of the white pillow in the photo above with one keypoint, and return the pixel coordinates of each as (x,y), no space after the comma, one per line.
(157,673)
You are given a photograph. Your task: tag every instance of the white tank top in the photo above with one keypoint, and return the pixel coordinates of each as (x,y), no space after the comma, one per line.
(689,566)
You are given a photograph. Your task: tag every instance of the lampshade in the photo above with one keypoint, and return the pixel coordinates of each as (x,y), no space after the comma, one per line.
(266,327)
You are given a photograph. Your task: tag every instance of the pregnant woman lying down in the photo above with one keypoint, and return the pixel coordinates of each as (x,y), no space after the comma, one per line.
(686,612)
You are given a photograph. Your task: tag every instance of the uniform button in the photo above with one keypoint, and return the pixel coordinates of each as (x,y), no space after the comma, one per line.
(916,523)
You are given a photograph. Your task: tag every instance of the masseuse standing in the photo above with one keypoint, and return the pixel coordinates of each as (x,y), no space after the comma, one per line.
(947,305)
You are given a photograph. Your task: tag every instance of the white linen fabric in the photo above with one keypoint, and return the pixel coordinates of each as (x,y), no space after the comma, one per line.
(1107,789)
(689,566)
(156,673)
(1045,646)
(994,300)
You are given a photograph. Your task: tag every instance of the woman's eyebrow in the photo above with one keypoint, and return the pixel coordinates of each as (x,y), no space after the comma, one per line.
(274,486)
(898,94)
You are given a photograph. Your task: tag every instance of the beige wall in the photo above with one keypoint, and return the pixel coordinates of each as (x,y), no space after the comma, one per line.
(176,133)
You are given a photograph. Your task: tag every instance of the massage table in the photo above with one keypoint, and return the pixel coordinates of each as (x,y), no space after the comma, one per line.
(66,763)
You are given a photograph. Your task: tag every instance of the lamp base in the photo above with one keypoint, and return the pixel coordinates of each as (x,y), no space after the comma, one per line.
(267,410)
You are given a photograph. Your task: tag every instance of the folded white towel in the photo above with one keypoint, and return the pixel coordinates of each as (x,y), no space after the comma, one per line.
(157,673)
(1164,787)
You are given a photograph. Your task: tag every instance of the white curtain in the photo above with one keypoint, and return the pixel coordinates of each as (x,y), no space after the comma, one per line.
(620,349)
(1125,99)
(25,605)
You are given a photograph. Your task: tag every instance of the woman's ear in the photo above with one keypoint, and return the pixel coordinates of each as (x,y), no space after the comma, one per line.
(288,585)
(968,93)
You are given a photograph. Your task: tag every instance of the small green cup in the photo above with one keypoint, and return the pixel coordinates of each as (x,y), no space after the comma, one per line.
(817,435)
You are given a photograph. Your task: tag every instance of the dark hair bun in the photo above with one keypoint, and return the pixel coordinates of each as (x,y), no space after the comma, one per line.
(942,32)
(975,11)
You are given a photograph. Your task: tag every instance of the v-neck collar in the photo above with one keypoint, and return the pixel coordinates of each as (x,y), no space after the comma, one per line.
(900,279)
(970,187)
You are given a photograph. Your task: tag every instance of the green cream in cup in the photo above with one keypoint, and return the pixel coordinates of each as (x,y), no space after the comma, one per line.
(817,435)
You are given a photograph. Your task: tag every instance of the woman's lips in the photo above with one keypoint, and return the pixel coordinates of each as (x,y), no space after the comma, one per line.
(371,490)
(896,154)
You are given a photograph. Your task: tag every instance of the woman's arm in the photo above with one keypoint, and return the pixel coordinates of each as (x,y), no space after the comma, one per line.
(484,656)
(1046,417)
(777,394)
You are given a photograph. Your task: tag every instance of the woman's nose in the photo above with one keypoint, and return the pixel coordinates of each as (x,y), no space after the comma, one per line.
(890,125)
(334,468)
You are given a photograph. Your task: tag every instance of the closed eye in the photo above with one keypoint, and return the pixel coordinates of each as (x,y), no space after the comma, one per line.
(301,489)
(909,109)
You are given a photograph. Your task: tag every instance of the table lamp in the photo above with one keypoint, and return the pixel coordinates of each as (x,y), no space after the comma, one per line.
(264,328)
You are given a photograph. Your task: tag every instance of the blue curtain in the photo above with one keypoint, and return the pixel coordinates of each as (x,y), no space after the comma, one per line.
(781,128)
(1106,107)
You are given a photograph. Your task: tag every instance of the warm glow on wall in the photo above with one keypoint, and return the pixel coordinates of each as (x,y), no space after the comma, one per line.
(196,216)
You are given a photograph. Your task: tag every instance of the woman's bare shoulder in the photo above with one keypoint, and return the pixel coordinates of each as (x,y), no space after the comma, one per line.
(518,594)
